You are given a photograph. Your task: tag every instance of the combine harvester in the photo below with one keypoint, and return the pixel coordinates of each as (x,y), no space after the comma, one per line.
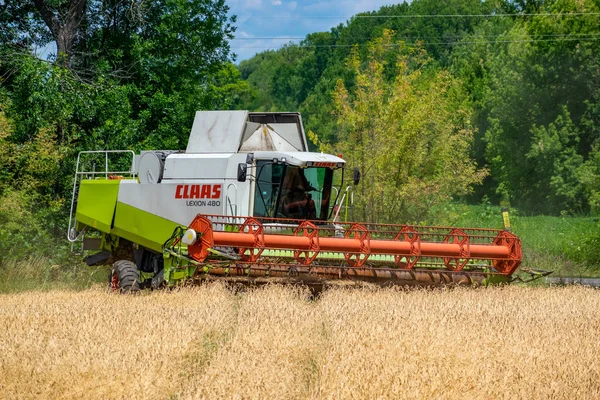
(247,199)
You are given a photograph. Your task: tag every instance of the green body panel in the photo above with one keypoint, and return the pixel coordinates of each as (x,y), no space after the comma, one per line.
(146,276)
(96,203)
(177,269)
(98,207)
(141,227)
(496,279)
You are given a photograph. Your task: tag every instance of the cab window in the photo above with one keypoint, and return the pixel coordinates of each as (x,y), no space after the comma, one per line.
(285,191)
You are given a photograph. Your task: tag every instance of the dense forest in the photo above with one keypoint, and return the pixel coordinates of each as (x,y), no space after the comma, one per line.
(433,101)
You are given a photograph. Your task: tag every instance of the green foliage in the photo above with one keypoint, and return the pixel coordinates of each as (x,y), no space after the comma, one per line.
(27,202)
(589,175)
(531,87)
(530,81)
(462,215)
(561,244)
(422,121)
(554,157)
(280,79)
(131,76)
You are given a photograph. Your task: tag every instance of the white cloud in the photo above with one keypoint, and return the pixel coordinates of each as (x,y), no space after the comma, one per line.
(276,2)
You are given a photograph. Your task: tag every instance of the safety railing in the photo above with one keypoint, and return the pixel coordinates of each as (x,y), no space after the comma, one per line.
(97,164)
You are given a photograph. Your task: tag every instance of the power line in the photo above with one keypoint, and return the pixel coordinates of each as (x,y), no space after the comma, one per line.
(413,37)
(594,38)
(569,14)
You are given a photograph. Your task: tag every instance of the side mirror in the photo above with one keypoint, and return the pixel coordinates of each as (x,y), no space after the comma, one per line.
(249,158)
(242,171)
(356,176)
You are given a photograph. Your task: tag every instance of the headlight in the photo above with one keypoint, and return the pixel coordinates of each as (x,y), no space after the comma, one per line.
(189,237)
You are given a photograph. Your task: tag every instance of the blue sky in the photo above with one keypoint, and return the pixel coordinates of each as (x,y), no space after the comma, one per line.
(279,20)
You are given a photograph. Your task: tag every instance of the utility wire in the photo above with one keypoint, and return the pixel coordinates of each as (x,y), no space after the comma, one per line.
(566,37)
(412,37)
(561,14)
(595,38)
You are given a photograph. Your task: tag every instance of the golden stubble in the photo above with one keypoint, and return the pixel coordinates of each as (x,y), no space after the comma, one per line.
(276,342)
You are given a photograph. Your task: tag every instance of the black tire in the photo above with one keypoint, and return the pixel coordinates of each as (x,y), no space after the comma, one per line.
(124,277)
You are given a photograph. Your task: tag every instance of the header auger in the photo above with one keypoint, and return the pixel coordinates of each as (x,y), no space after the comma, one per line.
(247,199)
(250,247)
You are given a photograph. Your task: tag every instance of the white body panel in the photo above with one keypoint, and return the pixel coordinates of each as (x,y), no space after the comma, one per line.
(201,166)
(181,200)
(192,184)
(206,184)
(301,158)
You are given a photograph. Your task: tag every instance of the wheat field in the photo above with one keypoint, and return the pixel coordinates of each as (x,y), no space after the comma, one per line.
(276,342)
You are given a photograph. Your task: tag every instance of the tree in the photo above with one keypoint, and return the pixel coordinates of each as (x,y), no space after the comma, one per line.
(170,37)
(64,20)
(129,75)
(409,137)
(553,155)
(28,202)
(132,70)
(589,176)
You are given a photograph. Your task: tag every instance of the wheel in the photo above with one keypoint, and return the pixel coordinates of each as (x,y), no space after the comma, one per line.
(124,277)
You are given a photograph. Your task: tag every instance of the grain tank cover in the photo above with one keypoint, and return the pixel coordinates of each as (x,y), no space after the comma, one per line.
(243,131)
(217,132)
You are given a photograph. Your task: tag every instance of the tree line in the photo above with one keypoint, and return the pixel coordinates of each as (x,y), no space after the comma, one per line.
(525,85)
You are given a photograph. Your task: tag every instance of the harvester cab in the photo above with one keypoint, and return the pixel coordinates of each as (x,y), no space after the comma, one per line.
(247,199)
(239,164)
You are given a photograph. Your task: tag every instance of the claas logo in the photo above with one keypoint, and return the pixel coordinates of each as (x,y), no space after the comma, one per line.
(198,192)
(323,164)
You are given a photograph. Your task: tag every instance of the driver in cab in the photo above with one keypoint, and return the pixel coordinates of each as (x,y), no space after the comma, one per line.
(297,201)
